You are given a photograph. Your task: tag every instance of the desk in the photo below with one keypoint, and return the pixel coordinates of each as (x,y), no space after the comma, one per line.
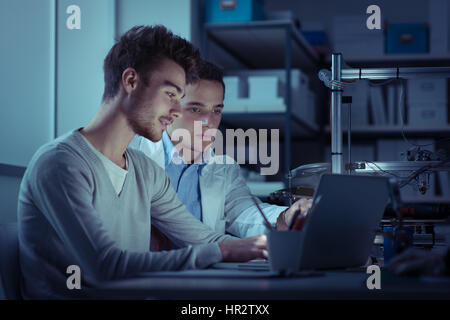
(232,285)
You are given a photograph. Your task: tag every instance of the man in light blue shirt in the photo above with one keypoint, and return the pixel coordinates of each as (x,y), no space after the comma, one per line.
(183,177)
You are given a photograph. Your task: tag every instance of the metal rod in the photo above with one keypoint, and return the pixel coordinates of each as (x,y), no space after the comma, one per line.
(288,101)
(394,73)
(336,107)
(349,139)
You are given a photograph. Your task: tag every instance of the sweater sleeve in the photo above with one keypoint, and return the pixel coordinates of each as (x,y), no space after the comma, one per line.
(62,187)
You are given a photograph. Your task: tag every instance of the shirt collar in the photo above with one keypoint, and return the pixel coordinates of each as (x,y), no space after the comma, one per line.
(169,149)
(172,154)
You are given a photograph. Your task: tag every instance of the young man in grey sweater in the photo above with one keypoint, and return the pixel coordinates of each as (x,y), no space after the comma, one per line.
(88,201)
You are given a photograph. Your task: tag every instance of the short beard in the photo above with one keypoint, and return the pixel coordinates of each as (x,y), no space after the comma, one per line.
(144,128)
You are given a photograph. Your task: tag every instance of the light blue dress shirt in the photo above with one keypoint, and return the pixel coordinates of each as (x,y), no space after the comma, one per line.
(184,178)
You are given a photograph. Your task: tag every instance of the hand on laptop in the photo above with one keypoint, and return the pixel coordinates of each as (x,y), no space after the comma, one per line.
(302,204)
(416,262)
(243,250)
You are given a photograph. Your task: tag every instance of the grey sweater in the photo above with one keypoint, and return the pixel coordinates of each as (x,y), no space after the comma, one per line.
(70,214)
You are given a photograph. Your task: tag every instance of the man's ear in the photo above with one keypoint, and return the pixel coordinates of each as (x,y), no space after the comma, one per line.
(130,79)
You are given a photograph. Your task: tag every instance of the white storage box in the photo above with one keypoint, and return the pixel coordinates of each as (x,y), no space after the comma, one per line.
(264,91)
(269,105)
(263,88)
(309,110)
(429,90)
(232,88)
(427,114)
(299,80)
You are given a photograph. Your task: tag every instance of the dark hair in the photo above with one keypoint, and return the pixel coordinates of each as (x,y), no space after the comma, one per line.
(206,70)
(141,48)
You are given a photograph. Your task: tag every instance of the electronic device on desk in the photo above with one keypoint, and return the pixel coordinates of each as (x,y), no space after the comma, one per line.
(302,181)
(418,216)
(421,216)
(337,235)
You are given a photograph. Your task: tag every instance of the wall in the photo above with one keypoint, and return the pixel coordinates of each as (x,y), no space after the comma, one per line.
(27,89)
(27,82)
(79,61)
(174,14)
(52,76)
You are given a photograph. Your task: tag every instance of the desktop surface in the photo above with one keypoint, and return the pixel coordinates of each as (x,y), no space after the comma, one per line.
(218,284)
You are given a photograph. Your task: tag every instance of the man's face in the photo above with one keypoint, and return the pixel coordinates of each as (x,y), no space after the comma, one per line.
(155,105)
(203,104)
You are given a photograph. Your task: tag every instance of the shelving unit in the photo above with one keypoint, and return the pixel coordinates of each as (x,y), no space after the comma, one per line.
(400,60)
(266,45)
(270,120)
(377,131)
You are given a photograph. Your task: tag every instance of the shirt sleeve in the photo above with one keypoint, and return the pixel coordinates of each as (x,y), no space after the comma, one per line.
(62,187)
(243,217)
(172,217)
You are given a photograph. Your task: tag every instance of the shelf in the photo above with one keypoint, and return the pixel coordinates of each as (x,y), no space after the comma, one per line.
(253,43)
(389,130)
(270,120)
(275,44)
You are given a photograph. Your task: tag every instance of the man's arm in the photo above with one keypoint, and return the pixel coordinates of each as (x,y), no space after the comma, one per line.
(172,217)
(243,217)
(62,189)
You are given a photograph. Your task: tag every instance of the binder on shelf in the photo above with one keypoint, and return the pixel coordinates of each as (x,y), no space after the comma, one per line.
(377,106)
(360,114)
(391,104)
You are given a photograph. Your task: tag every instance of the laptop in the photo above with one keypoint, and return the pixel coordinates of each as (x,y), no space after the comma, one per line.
(341,231)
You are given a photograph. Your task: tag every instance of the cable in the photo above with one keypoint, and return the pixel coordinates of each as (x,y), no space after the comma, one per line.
(408,180)
(378,167)
(375,84)
(425,168)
